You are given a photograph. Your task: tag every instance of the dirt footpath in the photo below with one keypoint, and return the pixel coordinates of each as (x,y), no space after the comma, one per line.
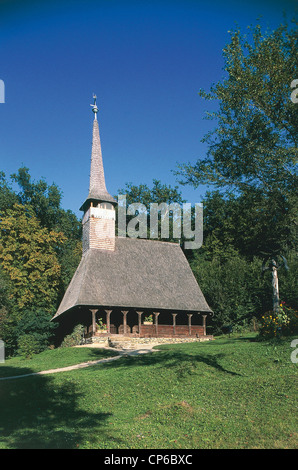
(121,353)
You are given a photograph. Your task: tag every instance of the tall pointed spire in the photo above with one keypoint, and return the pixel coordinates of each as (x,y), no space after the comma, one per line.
(97,184)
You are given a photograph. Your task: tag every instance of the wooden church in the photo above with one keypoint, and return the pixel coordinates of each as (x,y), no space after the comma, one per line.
(122,281)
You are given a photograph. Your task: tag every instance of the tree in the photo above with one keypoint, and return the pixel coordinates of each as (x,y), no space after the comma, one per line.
(254,146)
(34,331)
(252,152)
(249,223)
(235,293)
(7,196)
(158,194)
(40,248)
(28,253)
(45,201)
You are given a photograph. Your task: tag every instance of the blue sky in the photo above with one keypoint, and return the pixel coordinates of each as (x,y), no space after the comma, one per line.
(145,60)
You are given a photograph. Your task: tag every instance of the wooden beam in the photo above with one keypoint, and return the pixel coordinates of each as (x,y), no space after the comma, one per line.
(93,313)
(108,312)
(125,312)
(204,324)
(156,322)
(174,315)
(189,323)
(139,321)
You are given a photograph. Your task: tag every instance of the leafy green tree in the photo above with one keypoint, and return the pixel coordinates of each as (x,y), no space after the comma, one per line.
(40,248)
(7,324)
(7,196)
(29,259)
(158,194)
(34,332)
(252,151)
(254,145)
(248,223)
(3,289)
(235,293)
(45,200)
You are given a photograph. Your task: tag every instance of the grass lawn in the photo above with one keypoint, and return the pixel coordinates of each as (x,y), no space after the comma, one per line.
(52,359)
(228,393)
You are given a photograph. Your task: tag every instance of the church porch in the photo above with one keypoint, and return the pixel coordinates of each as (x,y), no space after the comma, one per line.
(125,323)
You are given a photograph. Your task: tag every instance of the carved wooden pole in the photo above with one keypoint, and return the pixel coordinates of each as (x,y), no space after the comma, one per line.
(204,324)
(140,321)
(275,287)
(156,322)
(124,321)
(174,315)
(108,312)
(189,323)
(93,312)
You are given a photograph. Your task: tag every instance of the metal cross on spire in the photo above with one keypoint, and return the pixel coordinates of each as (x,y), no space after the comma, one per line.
(94,106)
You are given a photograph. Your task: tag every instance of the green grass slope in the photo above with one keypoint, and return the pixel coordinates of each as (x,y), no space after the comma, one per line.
(228,393)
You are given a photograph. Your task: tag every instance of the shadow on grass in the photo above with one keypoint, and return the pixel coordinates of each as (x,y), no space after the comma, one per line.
(37,363)
(226,339)
(39,413)
(172,359)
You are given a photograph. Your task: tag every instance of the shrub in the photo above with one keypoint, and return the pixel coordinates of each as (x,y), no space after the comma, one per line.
(283,322)
(75,338)
(28,345)
(36,324)
(233,288)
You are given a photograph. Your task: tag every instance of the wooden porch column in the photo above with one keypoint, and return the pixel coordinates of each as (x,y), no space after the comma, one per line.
(125,312)
(93,312)
(189,323)
(174,315)
(156,322)
(139,321)
(108,312)
(204,324)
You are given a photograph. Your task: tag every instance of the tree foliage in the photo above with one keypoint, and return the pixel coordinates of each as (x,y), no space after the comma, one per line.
(254,144)
(40,248)
(28,256)
(252,152)
(250,213)
(251,163)
(159,193)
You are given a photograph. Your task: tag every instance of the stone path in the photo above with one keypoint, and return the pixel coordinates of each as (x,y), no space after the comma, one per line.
(121,353)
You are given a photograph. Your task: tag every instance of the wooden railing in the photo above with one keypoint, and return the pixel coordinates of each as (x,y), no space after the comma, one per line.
(154,330)
(170,330)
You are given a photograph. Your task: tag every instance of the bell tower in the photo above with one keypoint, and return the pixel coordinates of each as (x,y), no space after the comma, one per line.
(99,207)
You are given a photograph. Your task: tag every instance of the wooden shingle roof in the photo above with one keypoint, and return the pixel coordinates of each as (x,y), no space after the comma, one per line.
(140,273)
(97,184)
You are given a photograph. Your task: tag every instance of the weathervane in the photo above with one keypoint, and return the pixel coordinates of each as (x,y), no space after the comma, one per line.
(95,108)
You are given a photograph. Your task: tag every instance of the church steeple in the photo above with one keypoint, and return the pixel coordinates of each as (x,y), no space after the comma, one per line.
(97,185)
(99,207)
